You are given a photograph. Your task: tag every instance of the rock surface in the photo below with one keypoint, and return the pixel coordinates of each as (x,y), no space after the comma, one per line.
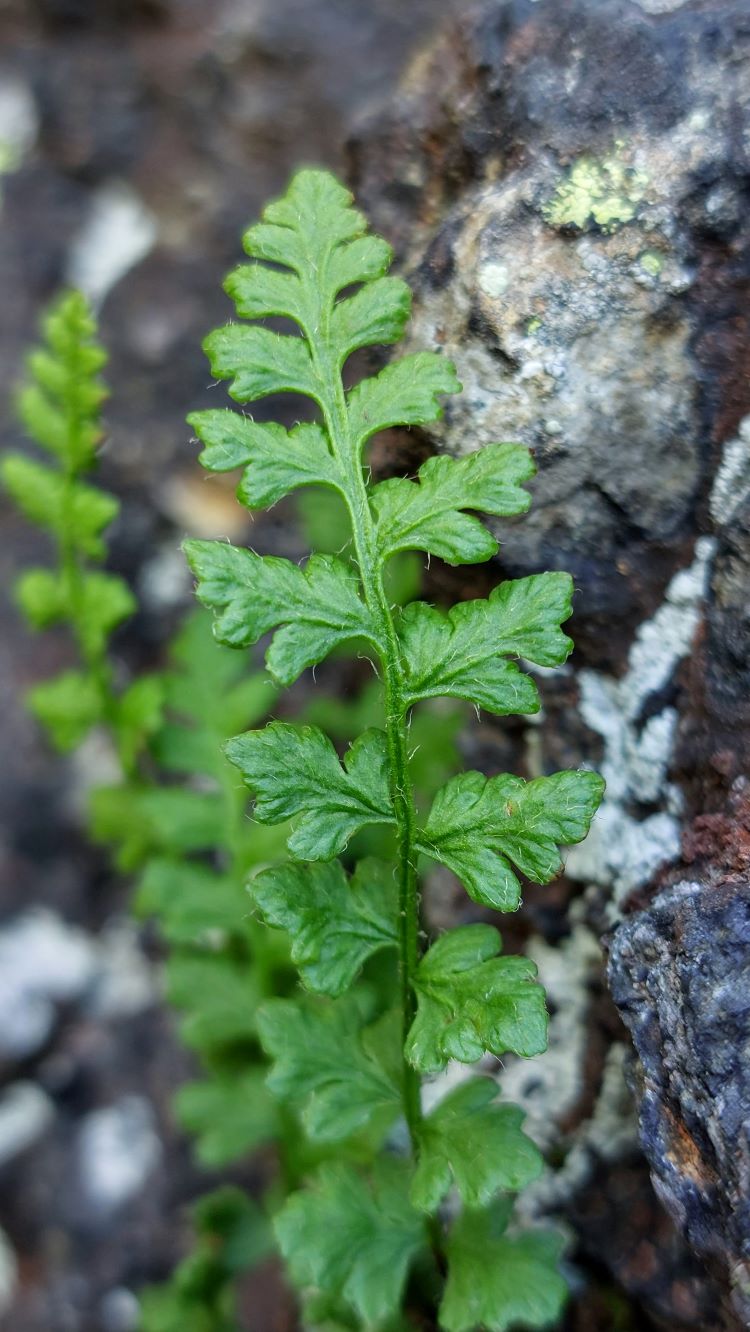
(680,975)
(567,183)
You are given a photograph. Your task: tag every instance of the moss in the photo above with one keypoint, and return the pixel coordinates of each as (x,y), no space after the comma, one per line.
(604,193)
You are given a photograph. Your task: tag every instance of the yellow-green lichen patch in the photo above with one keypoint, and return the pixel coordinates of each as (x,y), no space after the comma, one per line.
(652,262)
(605,194)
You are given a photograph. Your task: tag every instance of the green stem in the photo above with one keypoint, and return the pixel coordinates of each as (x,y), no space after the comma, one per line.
(234,801)
(402,792)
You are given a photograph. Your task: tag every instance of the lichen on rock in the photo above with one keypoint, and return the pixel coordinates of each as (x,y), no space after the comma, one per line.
(604,194)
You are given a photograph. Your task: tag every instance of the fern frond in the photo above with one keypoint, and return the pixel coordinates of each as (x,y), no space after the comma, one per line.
(349,1239)
(60,407)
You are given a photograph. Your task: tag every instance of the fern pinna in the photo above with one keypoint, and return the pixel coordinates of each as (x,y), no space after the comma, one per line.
(373,1232)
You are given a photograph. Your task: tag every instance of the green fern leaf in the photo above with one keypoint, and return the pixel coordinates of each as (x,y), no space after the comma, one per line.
(471,1001)
(42,596)
(233,1236)
(335,923)
(259,362)
(343,1073)
(428,514)
(296,771)
(375,315)
(139,715)
(407,392)
(320,242)
(478,824)
(102,601)
(499,1283)
(319,607)
(219,998)
(471,1140)
(141,821)
(105,601)
(208,695)
(230,1116)
(347,1244)
(464,653)
(60,404)
(190,900)
(276,460)
(67,707)
(78,513)
(352,1241)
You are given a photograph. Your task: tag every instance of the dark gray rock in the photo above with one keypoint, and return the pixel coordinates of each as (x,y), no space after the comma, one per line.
(679,973)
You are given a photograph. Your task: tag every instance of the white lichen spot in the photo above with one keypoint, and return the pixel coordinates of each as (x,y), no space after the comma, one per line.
(125,982)
(611,1131)
(118,232)
(43,962)
(732,483)
(120,1311)
(164,581)
(94,763)
(118,1148)
(493,279)
(663,641)
(547,1089)
(26,1113)
(622,849)
(660,6)
(699,120)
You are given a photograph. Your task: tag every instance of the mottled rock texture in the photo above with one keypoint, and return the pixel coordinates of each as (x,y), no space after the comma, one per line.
(568,183)
(680,975)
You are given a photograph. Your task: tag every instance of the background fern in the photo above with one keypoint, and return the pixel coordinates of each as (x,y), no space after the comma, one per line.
(176,815)
(60,406)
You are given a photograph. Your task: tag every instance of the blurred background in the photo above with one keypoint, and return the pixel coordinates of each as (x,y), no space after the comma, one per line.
(566,184)
(137,140)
